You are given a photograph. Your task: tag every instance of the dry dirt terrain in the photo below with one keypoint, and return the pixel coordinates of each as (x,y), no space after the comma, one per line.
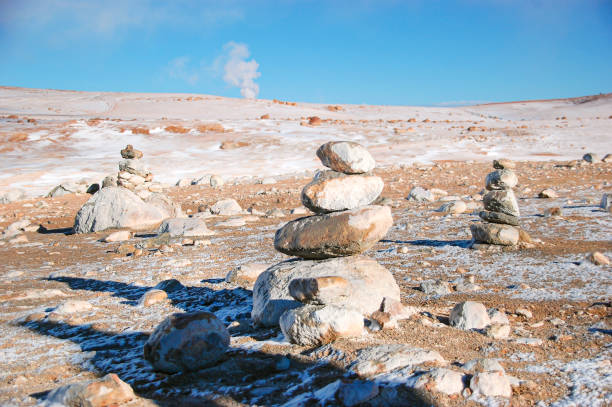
(559,353)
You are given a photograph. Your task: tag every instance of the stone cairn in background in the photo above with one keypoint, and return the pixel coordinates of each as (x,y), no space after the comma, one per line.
(501,210)
(327,292)
(133,174)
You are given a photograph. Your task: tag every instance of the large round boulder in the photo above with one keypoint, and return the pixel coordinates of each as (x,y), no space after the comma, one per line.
(333,191)
(368,283)
(335,234)
(187,342)
(116,207)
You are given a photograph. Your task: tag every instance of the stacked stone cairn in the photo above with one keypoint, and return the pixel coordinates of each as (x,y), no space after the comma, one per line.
(134,174)
(327,291)
(501,214)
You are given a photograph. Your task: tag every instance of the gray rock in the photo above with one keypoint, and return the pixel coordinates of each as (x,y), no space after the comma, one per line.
(188,227)
(356,392)
(483,365)
(216,181)
(591,158)
(503,201)
(335,234)
(491,384)
(246,274)
(419,194)
(319,290)
(109,181)
(442,380)
(346,156)
(369,283)
(498,317)
(453,207)
(606,201)
(187,342)
(184,182)
(496,234)
(66,189)
(334,191)
(115,208)
(134,166)
(109,390)
(436,287)
(501,179)
(226,207)
(469,315)
(316,325)
(498,217)
(12,195)
(386,358)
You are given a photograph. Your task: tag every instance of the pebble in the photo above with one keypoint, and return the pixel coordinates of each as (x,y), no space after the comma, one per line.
(591,158)
(436,287)
(525,313)
(118,236)
(598,259)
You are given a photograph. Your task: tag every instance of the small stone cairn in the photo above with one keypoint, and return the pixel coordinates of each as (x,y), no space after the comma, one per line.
(326,293)
(501,211)
(134,174)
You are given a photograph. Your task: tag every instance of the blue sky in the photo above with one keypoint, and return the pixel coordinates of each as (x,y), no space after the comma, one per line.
(374,52)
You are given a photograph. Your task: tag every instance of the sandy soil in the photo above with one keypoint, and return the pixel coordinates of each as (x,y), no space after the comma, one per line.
(41,350)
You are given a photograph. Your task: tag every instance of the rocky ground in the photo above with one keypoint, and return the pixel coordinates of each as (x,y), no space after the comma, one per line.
(73,308)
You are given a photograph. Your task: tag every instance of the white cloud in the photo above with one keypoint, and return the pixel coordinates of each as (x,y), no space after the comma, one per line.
(239,72)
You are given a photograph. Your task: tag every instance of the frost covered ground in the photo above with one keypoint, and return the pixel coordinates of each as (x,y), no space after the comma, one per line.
(560,356)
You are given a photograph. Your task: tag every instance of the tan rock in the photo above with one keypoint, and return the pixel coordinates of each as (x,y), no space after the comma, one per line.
(496,234)
(153,297)
(336,234)
(319,290)
(246,274)
(599,259)
(105,392)
(118,236)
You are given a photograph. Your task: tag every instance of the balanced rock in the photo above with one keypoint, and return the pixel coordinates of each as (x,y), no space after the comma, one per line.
(501,179)
(115,208)
(368,284)
(334,191)
(346,156)
(504,164)
(187,227)
(130,153)
(503,201)
(135,167)
(469,315)
(319,290)
(498,217)
(493,233)
(315,325)
(187,342)
(335,234)
(110,390)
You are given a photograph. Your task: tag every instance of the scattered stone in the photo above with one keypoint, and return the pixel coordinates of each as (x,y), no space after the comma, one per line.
(246,274)
(496,234)
(216,181)
(385,358)
(115,208)
(170,286)
(591,158)
(129,152)
(66,189)
(153,297)
(419,194)
(187,342)
(275,213)
(469,315)
(335,234)
(396,309)
(454,207)
(403,250)
(314,325)
(356,392)
(19,239)
(319,290)
(498,331)
(501,179)
(483,365)
(554,211)
(118,236)
(110,390)
(188,227)
(491,384)
(606,201)
(598,259)
(226,207)
(548,194)
(525,313)
(12,195)
(346,156)
(442,380)
(498,317)
(383,320)
(436,287)
(333,191)
(300,210)
(369,284)
(73,306)
(183,182)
